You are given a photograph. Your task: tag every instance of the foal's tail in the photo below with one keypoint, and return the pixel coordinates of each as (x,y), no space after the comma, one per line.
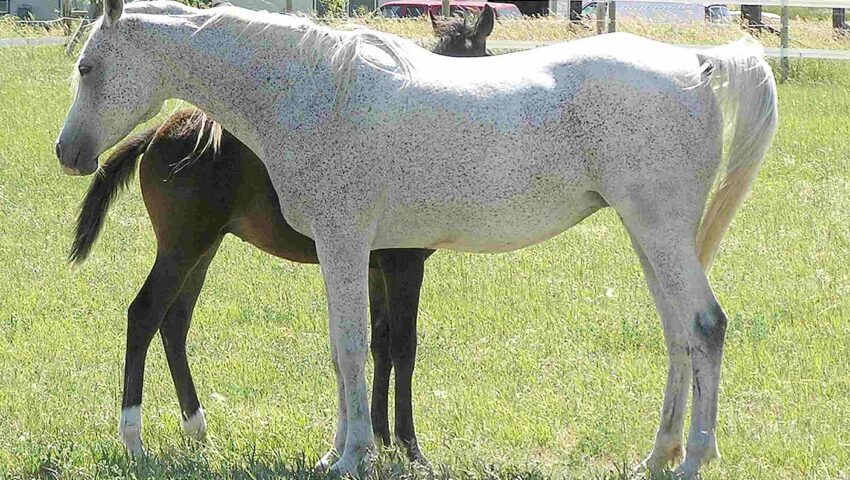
(113,176)
(747,91)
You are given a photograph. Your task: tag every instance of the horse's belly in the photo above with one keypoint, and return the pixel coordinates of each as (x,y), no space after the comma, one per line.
(499,226)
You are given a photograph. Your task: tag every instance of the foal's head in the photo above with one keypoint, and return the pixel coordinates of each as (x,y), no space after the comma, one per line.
(461,37)
(117,88)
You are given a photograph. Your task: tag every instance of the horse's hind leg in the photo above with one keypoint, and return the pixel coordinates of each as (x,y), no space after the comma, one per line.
(667,237)
(668,439)
(380,346)
(173,331)
(144,317)
(403,271)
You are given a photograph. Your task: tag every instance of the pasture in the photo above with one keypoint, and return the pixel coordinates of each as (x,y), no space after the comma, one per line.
(544,362)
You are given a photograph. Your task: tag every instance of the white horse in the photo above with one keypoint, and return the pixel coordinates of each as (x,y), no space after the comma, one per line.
(372,142)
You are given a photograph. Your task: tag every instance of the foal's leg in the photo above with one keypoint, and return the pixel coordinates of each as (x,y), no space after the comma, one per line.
(668,439)
(345,263)
(403,271)
(380,314)
(143,320)
(670,247)
(173,331)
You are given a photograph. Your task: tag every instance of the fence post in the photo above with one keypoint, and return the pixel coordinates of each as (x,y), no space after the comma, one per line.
(447,11)
(553,7)
(839,21)
(601,16)
(575,10)
(612,17)
(783,51)
(287,7)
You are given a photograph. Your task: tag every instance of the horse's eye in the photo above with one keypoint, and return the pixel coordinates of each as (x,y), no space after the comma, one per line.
(84,69)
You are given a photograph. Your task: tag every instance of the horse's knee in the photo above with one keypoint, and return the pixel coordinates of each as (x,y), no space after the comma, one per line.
(141,318)
(710,326)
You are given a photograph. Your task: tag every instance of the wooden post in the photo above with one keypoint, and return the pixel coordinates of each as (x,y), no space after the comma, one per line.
(447,10)
(839,20)
(553,7)
(783,52)
(287,6)
(575,10)
(601,16)
(612,17)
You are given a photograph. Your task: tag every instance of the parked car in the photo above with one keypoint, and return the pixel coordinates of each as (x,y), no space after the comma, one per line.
(666,12)
(417,8)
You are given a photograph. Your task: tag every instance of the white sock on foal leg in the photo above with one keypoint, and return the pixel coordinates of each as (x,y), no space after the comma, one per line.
(130,429)
(195,426)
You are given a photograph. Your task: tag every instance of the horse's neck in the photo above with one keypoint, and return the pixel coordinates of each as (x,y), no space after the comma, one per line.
(214,71)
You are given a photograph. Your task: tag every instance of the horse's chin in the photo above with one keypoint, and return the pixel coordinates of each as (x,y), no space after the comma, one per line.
(81,170)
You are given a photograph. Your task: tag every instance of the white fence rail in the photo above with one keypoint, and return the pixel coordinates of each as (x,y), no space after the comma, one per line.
(22,42)
(773,52)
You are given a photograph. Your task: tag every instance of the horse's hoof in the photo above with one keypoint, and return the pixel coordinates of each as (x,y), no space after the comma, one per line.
(195,427)
(345,468)
(659,461)
(416,456)
(134,447)
(130,431)
(328,459)
(687,471)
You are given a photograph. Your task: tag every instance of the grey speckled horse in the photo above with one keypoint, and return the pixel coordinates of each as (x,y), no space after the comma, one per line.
(344,122)
(194,198)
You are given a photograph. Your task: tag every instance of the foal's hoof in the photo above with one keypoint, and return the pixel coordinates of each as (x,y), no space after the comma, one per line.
(415,455)
(133,444)
(130,431)
(195,427)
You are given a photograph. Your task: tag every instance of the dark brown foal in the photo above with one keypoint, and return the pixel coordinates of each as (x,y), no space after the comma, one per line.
(212,194)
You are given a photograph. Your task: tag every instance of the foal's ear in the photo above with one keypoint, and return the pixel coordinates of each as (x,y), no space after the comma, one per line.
(434,24)
(112,10)
(485,23)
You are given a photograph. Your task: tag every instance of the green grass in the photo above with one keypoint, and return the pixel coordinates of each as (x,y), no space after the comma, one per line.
(544,362)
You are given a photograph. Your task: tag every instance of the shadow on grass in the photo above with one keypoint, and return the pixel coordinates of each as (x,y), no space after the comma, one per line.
(106,461)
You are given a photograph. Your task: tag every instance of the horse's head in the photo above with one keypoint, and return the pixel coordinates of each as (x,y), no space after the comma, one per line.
(117,88)
(458,37)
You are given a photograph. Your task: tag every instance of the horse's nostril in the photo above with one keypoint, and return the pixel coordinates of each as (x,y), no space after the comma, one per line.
(58,151)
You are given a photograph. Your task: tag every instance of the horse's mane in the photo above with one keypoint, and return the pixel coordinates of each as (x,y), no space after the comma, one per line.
(341,48)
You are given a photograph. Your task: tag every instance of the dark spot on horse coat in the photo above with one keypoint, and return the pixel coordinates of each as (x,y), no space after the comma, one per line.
(710,325)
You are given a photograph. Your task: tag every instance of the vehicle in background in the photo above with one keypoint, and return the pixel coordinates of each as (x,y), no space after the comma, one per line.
(666,12)
(418,8)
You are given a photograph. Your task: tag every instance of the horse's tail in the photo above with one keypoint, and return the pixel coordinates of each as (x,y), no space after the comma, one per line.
(113,176)
(747,91)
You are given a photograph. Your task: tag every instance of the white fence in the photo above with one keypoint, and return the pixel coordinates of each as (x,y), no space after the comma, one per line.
(773,52)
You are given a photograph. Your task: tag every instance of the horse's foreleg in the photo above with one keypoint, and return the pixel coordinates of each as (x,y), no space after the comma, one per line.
(668,439)
(671,251)
(173,331)
(380,346)
(403,271)
(345,262)
(144,317)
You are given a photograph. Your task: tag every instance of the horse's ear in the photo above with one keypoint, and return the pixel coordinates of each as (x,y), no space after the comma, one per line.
(485,23)
(112,10)
(434,24)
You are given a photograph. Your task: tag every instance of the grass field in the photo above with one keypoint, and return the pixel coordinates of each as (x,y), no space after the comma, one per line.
(547,362)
